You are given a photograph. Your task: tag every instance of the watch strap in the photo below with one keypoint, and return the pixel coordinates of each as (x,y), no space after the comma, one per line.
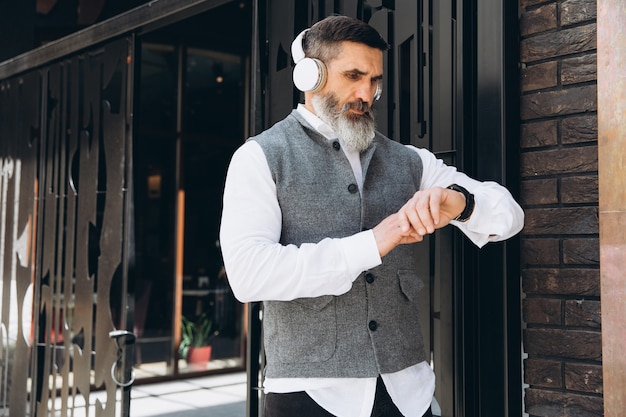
(469,202)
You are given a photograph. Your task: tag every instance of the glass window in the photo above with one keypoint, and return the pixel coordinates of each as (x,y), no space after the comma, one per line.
(183,145)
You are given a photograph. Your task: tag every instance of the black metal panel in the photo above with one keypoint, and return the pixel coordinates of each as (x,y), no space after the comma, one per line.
(443,83)
(64,237)
(279,88)
(496,158)
(490,303)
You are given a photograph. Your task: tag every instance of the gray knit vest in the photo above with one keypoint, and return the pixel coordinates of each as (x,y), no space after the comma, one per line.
(373,328)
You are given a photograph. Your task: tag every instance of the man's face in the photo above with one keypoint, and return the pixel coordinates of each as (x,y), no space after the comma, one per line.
(354,74)
(346,99)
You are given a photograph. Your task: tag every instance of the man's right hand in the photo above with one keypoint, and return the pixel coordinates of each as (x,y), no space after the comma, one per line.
(425,212)
(393,231)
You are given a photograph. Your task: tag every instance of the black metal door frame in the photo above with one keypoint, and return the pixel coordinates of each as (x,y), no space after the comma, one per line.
(488,127)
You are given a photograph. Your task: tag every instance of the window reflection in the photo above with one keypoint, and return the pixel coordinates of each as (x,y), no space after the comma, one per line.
(185,166)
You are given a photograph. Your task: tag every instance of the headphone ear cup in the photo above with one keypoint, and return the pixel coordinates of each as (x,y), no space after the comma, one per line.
(309,75)
(379,91)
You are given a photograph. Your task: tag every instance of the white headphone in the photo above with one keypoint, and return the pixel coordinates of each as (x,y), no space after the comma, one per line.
(310,74)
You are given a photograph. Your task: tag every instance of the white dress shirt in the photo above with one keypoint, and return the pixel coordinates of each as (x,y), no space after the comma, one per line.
(257,264)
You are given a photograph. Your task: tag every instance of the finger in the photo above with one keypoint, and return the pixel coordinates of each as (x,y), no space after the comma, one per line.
(423,210)
(411,213)
(435,210)
(414,238)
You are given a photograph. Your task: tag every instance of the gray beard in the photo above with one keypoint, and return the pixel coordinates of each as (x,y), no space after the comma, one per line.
(355,131)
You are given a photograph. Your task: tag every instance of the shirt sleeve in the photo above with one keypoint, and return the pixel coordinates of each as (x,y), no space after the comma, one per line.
(496,215)
(257,264)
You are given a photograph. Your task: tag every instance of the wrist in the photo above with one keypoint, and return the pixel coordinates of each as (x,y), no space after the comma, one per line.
(469,203)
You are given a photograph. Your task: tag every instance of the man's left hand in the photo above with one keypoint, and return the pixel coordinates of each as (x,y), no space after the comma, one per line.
(432,209)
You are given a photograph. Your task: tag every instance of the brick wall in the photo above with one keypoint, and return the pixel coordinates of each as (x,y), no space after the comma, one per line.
(560,249)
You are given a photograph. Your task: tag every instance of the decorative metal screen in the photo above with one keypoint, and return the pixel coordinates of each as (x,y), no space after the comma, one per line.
(64,221)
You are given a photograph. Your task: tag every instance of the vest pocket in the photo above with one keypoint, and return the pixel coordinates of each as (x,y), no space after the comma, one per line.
(307,331)
(410,286)
(410,283)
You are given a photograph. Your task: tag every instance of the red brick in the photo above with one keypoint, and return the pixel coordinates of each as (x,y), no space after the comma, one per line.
(559,161)
(530,3)
(536,77)
(543,373)
(582,377)
(554,281)
(542,311)
(539,134)
(538,20)
(564,102)
(581,313)
(577,11)
(562,343)
(579,129)
(583,251)
(570,220)
(540,251)
(579,70)
(539,192)
(555,44)
(543,403)
(582,189)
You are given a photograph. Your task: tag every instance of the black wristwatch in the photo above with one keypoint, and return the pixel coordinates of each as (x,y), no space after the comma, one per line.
(469,203)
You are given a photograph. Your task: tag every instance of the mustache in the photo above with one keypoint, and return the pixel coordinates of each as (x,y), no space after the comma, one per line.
(358,105)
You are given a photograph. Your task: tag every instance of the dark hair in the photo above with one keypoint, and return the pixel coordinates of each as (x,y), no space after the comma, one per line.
(322,41)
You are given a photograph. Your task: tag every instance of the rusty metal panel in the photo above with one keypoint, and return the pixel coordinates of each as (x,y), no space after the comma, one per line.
(65,181)
(612,200)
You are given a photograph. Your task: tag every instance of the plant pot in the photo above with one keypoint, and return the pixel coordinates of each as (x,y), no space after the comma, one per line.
(199,355)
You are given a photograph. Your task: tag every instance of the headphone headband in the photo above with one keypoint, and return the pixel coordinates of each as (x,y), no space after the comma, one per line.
(297,51)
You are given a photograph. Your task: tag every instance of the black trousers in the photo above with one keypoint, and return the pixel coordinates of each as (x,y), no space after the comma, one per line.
(299,404)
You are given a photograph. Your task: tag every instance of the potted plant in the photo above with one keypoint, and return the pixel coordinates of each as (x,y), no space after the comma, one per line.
(195,340)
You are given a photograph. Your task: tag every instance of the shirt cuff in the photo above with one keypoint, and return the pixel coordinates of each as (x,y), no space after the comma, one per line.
(485,224)
(360,252)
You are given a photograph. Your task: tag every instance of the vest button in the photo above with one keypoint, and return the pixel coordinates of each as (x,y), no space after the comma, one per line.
(353,188)
(373,325)
(336,145)
(369,277)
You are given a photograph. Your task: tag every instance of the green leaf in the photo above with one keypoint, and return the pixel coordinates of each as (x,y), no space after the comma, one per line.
(195,333)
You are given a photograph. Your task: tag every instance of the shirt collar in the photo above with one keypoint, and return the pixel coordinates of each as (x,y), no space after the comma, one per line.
(318,124)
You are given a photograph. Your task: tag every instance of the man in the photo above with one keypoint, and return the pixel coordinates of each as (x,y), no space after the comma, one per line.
(318,214)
